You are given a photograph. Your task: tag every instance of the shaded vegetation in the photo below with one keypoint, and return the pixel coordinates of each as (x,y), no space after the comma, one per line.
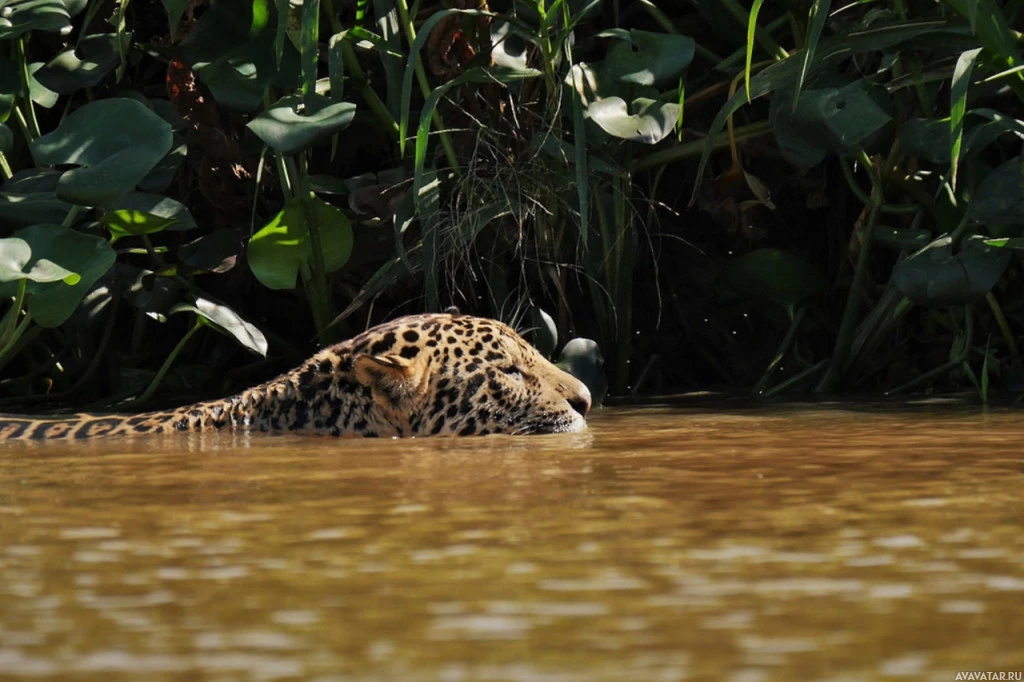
(785,197)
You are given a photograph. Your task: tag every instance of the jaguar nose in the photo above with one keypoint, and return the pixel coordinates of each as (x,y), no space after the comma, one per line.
(581,401)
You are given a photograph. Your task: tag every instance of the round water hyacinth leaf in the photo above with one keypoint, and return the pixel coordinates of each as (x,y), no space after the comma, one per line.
(283,247)
(41,95)
(645,58)
(227,321)
(83,66)
(286,131)
(936,276)
(28,199)
(51,303)
(16,263)
(116,142)
(18,17)
(157,206)
(126,221)
(651,123)
(999,201)
(582,358)
(772,275)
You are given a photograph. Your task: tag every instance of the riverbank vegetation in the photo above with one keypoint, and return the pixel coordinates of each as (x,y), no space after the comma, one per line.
(779,197)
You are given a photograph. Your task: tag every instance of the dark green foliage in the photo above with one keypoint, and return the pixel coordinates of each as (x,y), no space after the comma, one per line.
(257,167)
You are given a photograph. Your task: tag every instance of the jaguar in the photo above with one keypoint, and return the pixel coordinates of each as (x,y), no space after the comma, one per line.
(421,375)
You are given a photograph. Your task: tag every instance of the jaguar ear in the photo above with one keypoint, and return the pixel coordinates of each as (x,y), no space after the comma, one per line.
(390,375)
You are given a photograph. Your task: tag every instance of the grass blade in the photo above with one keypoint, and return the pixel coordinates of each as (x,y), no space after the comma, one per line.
(309,35)
(816,23)
(751,27)
(958,107)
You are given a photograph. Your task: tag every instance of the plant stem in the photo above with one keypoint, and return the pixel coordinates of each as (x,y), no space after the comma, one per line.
(318,289)
(15,335)
(355,69)
(19,54)
(848,326)
(377,106)
(787,341)
(782,386)
(69,219)
(146,242)
(5,168)
(681,151)
(946,366)
(11,318)
(148,393)
(1004,326)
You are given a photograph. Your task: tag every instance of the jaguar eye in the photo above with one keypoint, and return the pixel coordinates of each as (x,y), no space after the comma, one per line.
(512,370)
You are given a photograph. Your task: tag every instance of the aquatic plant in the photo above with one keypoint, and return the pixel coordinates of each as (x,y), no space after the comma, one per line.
(790,196)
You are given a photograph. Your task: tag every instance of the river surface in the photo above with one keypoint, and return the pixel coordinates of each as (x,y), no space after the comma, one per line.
(663,544)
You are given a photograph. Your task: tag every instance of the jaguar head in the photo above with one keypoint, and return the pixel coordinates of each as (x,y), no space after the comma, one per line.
(462,375)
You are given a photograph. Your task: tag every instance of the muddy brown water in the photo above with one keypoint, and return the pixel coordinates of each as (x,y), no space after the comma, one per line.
(662,544)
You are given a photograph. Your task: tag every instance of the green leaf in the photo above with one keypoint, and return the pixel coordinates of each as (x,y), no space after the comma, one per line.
(646,58)
(6,139)
(81,66)
(28,199)
(174,9)
(232,48)
(286,131)
(796,145)
(901,238)
(936,276)
(112,159)
(1006,242)
(166,169)
(21,16)
(815,24)
(988,22)
(772,275)
(833,49)
(842,118)
(15,260)
(958,106)
(41,95)
(283,247)
(308,46)
(751,29)
(227,321)
(652,122)
(158,207)
(999,201)
(926,139)
(51,303)
(126,222)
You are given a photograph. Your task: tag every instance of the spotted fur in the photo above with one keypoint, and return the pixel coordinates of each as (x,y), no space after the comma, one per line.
(423,375)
